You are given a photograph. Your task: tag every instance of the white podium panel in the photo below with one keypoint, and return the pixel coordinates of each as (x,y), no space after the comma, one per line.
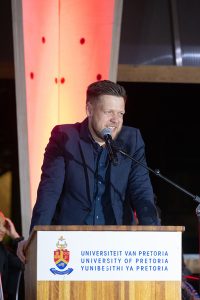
(109,255)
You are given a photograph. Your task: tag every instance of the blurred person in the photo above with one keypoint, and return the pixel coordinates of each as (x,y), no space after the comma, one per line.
(10,264)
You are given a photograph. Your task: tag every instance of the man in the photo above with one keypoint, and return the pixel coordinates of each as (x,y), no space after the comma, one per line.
(79,182)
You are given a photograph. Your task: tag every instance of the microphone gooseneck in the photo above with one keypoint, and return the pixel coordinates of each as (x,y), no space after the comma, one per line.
(158,174)
(106,135)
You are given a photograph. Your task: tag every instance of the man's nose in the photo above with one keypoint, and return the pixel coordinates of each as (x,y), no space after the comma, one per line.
(114,118)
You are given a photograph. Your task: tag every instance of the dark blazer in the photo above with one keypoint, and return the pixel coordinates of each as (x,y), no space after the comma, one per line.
(65,192)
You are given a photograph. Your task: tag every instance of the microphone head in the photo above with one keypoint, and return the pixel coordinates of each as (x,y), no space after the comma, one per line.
(106,131)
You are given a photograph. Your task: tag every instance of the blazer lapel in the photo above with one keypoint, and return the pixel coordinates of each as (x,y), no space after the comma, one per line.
(88,159)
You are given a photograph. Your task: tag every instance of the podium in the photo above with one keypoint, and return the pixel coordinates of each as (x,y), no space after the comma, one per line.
(104,263)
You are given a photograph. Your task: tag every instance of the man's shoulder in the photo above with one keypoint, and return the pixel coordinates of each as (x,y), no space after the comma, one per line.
(128,130)
(66,128)
(129,137)
(63,127)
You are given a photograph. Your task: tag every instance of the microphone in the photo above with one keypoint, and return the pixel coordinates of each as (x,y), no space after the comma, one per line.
(106,135)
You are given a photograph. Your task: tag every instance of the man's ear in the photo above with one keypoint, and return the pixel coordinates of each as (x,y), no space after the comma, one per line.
(89,109)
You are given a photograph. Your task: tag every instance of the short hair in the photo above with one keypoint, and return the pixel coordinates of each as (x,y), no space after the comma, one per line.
(105,87)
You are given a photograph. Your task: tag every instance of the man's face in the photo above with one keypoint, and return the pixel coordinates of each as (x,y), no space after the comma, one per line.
(105,112)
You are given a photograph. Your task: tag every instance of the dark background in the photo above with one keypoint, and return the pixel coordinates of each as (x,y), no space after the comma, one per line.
(168,117)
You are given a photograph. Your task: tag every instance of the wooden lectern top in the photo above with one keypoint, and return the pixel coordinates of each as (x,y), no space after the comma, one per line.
(108,228)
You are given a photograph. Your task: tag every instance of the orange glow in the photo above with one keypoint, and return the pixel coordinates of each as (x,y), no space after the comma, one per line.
(67,44)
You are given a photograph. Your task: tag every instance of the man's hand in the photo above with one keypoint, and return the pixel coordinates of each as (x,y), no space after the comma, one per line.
(21,250)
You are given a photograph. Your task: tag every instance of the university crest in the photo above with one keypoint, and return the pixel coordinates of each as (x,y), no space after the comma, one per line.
(61,258)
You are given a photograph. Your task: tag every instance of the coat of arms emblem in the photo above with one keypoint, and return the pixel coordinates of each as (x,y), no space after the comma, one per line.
(61,258)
